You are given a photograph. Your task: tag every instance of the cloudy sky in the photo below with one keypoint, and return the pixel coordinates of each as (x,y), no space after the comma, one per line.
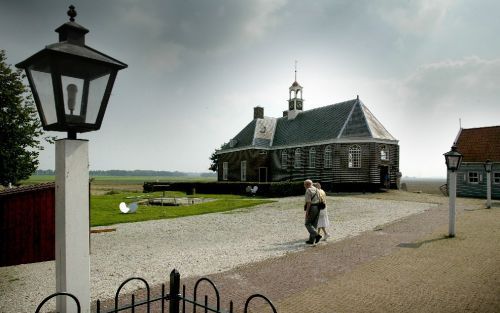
(197,69)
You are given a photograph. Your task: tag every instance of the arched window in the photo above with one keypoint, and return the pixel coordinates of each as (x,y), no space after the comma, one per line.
(328,157)
(243,170)
(225,170)
(312,158)
(284,159)
(298,158)
(354,156)
(384,153)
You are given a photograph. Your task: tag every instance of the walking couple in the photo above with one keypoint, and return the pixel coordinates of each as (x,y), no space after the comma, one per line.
(316,218)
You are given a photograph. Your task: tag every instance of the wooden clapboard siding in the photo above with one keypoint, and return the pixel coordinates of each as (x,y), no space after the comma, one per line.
(339,173)
(27,224)
(476,190)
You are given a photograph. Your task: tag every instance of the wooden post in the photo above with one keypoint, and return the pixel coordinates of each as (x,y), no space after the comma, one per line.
(72,224)
(488,190)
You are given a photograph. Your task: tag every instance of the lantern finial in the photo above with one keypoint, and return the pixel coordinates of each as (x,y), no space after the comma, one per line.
(72,13)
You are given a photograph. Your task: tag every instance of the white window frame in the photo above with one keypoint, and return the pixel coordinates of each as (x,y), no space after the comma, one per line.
(354,157)
(471,179)
(328,157)
(225,170)
(384,153)
(312,158)
(297,162)
(284,159)
(243,171)
(495,180)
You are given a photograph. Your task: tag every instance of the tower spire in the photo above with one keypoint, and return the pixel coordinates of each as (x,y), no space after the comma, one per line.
(295,70)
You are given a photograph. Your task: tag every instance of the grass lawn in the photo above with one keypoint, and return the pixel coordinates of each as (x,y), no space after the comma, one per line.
(108,191)
(104,208)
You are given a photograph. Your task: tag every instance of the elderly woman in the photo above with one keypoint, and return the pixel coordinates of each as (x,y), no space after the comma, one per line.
(323,221)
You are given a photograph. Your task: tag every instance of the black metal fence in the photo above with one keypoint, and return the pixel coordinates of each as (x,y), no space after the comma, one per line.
(171,302)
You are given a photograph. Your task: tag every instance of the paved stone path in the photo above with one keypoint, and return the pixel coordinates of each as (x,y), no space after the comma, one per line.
(405,266)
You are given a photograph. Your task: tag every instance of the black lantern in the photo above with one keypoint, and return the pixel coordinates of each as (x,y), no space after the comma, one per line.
(487,166)
(453,159)
(71,82)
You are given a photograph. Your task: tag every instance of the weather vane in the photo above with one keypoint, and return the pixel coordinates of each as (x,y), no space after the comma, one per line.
(295,70)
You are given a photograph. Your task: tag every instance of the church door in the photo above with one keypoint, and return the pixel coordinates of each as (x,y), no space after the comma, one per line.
(263,174)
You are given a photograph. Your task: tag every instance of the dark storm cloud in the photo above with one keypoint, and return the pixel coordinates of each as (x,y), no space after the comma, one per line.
(204,64)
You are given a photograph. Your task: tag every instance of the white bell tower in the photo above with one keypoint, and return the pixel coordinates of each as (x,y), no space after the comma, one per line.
(295,101)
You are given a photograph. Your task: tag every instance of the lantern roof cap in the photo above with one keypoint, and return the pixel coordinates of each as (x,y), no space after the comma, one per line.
(72,42)
(74,50)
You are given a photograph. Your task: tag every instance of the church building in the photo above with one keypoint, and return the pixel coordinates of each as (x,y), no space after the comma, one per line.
(341,145)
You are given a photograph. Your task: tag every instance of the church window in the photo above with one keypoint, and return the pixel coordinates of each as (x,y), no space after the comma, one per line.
(312,158)
(328,157)
(384,153)
(298,158)
(354,157)
(225,167)
(243,170)
(284,159)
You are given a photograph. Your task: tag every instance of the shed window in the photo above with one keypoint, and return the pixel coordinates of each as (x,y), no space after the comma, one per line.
(298,158)
(496,177)
(284,159)
(225,167)
(473,177)
(354,156)
(243,170)
(384,153)
(312,158)
(328,157)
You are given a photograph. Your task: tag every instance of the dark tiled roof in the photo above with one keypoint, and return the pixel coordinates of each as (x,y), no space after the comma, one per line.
(244,137)
(318,124)
(349,119)
(479,144)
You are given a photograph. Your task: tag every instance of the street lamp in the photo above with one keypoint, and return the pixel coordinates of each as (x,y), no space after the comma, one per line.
(71,82)
(71,85)
(487,167)
(453,159)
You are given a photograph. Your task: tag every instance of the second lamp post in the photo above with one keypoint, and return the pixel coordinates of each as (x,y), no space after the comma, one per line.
(453,159)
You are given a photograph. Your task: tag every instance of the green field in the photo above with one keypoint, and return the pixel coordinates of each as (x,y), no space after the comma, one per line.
(36,179)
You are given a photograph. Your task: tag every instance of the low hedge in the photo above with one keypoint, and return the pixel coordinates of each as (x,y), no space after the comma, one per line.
(274,189)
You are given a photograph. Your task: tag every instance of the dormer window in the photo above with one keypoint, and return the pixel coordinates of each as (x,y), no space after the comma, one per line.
(233,142)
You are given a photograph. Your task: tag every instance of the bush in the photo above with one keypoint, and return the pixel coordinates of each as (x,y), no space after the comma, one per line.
(274,189)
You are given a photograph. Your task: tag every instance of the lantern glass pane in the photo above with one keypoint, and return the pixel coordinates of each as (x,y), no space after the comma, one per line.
(42,80)
(97,87)
(72,89)
(453,162)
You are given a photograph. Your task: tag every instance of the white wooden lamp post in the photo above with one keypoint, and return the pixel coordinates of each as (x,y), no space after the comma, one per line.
(71,85)
(487,167)
(453,159)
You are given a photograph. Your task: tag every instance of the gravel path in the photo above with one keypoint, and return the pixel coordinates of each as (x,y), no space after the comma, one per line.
(198,245)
